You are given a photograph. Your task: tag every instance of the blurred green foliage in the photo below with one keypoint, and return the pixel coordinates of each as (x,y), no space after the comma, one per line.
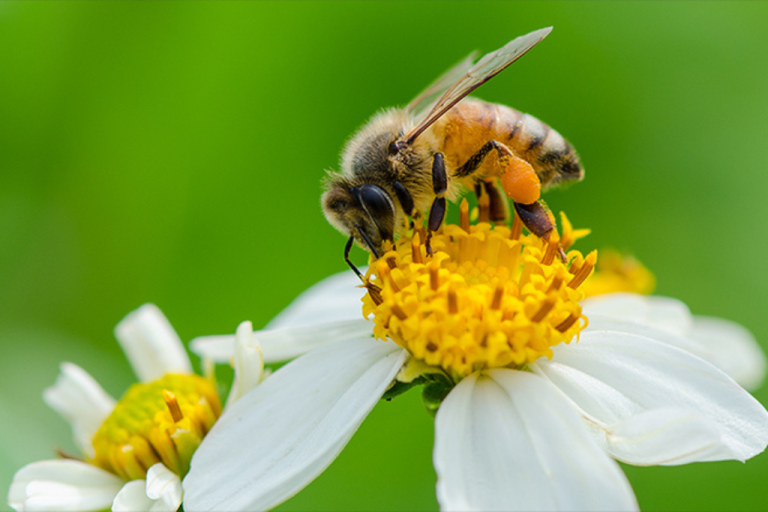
(172,152)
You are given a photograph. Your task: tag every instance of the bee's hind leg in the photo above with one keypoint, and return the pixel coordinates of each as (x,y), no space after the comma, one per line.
(439,187)
(536,218)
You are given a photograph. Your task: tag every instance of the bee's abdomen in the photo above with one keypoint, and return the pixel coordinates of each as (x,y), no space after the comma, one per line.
(472,123)
(552,157)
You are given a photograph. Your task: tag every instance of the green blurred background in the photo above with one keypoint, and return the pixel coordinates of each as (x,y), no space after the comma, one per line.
(171,152)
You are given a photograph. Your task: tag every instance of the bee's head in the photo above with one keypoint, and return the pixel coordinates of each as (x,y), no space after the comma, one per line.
(365,212)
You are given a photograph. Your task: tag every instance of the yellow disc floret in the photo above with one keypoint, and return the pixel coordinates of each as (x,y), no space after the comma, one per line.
(619,273)
(487,297)
(160,421)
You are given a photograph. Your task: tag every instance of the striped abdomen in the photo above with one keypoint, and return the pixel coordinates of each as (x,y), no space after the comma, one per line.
(465,128)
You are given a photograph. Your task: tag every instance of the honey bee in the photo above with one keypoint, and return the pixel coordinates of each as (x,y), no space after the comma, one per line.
(407,160)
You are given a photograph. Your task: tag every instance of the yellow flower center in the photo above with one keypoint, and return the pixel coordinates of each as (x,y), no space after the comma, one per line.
(487,297)
(161,421)
(619,273)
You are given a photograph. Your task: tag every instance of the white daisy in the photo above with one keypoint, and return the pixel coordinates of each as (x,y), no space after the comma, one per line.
(528,419)
(136,450)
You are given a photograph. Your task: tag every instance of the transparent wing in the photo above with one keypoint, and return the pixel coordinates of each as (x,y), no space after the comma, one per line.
(485,69)
(424,100)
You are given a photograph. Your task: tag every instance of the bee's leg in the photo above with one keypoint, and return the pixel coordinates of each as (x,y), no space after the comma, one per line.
(406,201)
(439,187)
(348,248)
(536,218)
(498,206)
(518,178)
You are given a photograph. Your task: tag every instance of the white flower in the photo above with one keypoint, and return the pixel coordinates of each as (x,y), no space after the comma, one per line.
(636,387)
(157,355)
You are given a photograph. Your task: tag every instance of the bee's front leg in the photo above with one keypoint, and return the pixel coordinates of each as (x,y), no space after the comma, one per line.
(439,187)
(406,201)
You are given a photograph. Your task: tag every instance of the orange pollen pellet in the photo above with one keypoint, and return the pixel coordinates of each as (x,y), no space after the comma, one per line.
(453,302)
(464,215)
(583,273)
(173,406)
(545,308)
(567,323)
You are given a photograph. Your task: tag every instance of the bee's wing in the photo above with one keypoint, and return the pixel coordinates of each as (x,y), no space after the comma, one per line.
(485,69)
(420,104)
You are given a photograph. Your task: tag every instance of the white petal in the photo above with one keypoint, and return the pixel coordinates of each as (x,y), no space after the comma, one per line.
(612,376)
(606,324)
(164,487)
(151,345)
(248,363)
(79,399)
(284,343)
(506,440)
(609,324)
(62,485)
(666,436)
(280,436)
(160,492)
(663,313)
(726,345)
(132,498)
(334,299)
(734,349)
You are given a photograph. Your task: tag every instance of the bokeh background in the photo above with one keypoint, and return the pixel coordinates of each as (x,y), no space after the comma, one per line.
(172,152)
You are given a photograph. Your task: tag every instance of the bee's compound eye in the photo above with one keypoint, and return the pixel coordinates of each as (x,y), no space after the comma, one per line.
(375,201)
(379,208)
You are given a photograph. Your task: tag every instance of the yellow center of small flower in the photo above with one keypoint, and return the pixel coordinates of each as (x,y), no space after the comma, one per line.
(488,296)
(161,421)
(619,273)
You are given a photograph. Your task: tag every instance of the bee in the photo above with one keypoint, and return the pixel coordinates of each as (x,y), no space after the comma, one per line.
(405,161)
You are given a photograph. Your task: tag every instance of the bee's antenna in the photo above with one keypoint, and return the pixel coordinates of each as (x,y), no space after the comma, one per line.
(346,258)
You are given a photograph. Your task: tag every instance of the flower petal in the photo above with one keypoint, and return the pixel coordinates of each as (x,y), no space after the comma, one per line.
(506,440)
(248,363)
(666,436)
(333,299)
(133,498)
(663,313)
(280,436)
(730,348)
(284,343)
(62,485)
(164,487)
(151,345)
(160,492)
(79,399)
(734,349)
(613,376)
(723,359)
